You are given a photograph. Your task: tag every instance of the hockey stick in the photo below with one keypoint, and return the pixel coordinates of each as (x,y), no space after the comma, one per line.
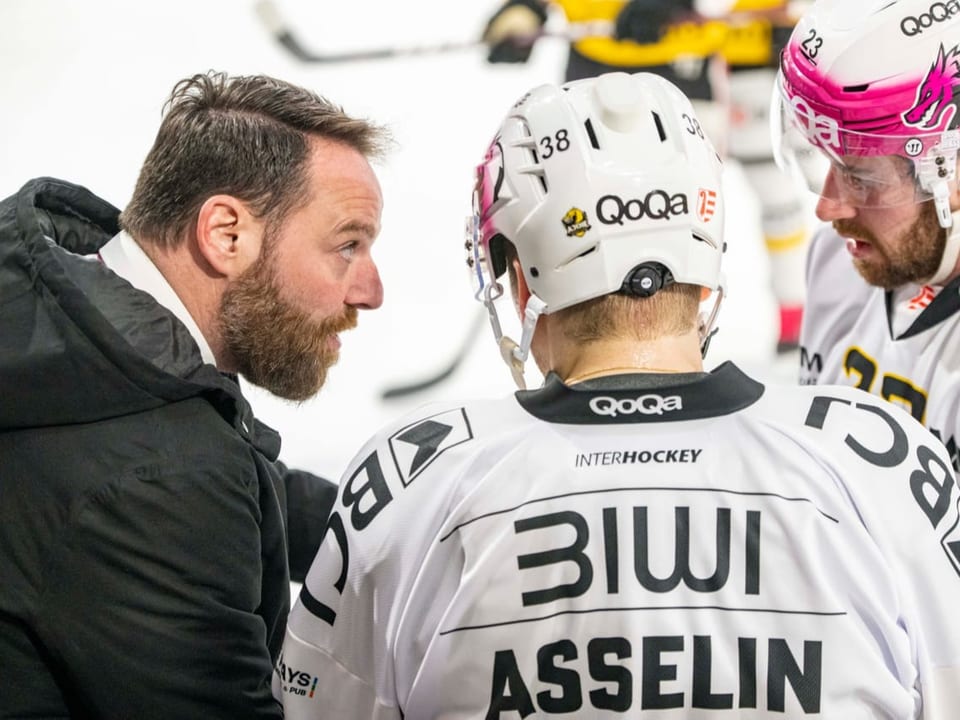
(274,22)
(279,28)
(271,17)
(426,383)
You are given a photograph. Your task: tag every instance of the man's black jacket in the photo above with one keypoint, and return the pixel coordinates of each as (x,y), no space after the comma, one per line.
(143,532)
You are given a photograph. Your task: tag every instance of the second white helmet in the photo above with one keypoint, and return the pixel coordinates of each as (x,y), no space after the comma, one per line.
(593,178)
(595,182)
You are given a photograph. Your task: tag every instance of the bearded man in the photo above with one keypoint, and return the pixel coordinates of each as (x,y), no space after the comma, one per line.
(877,140)
(144,533)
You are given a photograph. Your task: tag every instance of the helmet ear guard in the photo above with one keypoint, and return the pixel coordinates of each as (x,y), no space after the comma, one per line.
(498,255)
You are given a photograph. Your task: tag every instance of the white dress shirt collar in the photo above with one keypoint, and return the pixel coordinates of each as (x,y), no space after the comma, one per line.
(126,258)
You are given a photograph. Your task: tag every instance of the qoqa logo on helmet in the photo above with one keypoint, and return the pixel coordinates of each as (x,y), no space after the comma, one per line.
(939,12)
(821,130)
(645,405)
(657,205)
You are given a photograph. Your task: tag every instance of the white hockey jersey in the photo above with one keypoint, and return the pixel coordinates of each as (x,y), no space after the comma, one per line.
(703,550)
(903,346)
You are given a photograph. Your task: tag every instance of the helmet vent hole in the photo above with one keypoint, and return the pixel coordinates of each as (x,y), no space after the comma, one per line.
(534,272)
(659,124)
(856,88)
(573,258)
(588,125)
(535,157)
(702,238)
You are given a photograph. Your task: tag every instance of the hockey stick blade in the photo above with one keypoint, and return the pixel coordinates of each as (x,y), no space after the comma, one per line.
(434,380)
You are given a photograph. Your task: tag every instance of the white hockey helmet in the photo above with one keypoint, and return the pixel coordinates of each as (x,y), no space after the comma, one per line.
(599,184)
(871,89)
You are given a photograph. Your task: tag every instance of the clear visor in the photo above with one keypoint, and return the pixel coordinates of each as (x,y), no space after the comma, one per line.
(867,171)
(479,266)
(476,258)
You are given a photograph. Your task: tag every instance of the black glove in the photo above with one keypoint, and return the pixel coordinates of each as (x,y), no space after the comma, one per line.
(512,31)
(646,21)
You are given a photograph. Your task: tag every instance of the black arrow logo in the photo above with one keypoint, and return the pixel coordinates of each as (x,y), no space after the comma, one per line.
(954,548)
(427,436)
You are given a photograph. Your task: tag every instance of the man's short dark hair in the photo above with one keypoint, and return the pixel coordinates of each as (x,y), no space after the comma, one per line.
(245,136)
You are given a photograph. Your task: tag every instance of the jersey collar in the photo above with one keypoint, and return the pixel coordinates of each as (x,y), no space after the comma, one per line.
(126,258)
(945,304)
(721,392)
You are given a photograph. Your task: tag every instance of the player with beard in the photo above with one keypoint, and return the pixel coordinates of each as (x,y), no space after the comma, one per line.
(867,114)
(148,533)
(637,537)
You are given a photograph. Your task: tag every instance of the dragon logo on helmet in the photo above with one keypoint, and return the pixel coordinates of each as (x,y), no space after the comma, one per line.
(936,103)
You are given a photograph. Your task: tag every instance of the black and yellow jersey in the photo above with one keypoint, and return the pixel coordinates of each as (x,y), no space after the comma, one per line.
(753,41)
(741,41)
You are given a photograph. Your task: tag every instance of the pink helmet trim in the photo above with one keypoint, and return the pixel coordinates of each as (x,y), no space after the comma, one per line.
(876,119)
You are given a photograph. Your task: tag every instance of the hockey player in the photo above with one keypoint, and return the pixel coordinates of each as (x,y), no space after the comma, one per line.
(637,535)
(657,36)
(869,117)
(723,54)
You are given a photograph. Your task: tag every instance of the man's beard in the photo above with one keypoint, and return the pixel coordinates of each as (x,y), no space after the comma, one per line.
(274,345)
(914,256)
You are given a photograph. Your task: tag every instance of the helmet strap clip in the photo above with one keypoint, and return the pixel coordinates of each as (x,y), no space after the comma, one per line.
(514,354)
(706,326)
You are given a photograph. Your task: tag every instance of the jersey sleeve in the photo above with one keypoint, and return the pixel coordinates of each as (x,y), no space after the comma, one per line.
(335,647)
(900,479)
(312,682)
(341,658)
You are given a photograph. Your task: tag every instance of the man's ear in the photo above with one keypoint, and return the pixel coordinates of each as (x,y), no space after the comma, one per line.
(521,292)
(229,237)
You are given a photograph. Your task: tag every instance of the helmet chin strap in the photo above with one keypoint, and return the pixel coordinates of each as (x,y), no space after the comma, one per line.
(513,354)
(705,326)
(950,221)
